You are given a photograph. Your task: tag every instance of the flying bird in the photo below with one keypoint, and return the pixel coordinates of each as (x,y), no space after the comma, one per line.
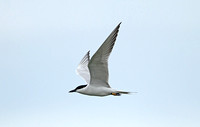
(95,70)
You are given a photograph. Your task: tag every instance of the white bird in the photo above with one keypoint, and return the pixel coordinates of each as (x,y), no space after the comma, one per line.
(95,71)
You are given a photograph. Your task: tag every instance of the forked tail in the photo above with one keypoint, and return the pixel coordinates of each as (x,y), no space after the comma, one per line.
(123,92)
(118,93)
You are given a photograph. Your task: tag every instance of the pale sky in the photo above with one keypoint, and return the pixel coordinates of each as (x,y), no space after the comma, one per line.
(157,54)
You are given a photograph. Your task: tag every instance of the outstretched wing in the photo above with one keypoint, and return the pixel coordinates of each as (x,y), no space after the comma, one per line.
(98,64)
(82,68)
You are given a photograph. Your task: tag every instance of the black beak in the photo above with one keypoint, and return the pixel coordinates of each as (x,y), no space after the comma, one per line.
(72,91)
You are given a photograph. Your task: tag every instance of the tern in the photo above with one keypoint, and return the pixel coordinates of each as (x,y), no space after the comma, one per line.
(95,70)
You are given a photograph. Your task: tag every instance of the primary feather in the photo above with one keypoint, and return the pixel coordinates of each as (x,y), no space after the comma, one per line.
(98,65)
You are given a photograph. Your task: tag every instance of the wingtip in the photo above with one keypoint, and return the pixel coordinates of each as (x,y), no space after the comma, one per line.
(119,25)
(88,53)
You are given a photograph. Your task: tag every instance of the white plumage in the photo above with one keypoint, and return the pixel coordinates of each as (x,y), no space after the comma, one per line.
(95,71)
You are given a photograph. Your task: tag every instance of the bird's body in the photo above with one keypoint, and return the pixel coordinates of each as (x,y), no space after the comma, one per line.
(96,91)
(95,70)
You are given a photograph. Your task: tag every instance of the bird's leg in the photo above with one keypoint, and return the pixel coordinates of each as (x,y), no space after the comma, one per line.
(116,94)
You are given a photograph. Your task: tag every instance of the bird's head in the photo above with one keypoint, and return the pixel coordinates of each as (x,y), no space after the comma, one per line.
(77,88)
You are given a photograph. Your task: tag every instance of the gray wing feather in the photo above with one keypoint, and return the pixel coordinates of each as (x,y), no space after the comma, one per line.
(98,64)
(82,68)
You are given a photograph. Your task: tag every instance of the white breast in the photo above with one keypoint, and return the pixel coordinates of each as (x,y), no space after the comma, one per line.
(96,91)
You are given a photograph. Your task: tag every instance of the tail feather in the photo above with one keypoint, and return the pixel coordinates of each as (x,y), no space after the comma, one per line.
(123,92)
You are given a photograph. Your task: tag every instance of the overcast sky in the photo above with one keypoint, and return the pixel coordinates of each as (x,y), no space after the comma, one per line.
(157,54)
